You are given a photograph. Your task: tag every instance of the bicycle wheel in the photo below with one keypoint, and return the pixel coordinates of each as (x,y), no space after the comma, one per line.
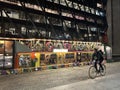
(92,72)
(103,72)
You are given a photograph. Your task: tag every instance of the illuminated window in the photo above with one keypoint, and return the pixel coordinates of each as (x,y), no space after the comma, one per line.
(67,23)
(56,1)
(76,6)
(69,3)
(51,11)
(97,12)
(82,8)
(92,11)
(23,30)
(93,29)
(99,5)
(62,2)
(79,17)
(101,14)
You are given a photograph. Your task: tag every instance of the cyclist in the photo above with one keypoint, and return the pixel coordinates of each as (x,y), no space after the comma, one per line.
(98,58)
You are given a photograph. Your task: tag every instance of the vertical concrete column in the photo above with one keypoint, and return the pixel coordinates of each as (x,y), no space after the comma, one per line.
(113,17)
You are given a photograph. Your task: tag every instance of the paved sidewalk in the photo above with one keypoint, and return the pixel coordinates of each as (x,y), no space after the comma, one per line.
(72,78)
(110,82)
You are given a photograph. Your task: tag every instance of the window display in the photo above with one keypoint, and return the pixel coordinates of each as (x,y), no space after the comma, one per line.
(25,61)
(48,59)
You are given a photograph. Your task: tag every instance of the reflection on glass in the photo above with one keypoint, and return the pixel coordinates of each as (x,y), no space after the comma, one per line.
(8,47)
(6,54)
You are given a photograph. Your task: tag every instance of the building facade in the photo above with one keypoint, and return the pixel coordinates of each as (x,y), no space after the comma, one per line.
(83,20)
(45,25)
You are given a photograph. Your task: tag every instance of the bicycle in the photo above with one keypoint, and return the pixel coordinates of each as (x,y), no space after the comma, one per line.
(93,73)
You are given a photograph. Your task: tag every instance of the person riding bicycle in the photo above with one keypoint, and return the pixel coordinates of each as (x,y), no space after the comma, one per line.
(98,58)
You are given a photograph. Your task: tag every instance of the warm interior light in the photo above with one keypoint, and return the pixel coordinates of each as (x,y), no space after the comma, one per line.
(60,50)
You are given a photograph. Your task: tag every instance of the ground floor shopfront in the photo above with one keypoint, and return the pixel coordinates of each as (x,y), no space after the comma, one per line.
(29,55)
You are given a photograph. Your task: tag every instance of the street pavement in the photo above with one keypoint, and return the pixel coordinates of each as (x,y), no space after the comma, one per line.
(72,78)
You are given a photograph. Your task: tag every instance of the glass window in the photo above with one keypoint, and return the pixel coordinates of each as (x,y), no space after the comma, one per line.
(99,5)
(67,14)
(79,17)
(99,21)
(101,14)
(87,9)
(54,21)
(82,8)
(6,54)
(94,29)
(23,30)
(69,3)
(51,11)
(92,11)
(68,23)
(62,2)
(76,6)
(97,12)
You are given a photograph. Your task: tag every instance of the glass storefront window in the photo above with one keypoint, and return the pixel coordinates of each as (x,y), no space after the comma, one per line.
(26,61)
(6,54)
(48,59)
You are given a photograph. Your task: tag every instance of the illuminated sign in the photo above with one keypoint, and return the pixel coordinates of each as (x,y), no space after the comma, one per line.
(60,50)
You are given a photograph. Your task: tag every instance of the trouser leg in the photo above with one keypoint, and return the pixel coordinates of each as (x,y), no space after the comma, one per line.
(100,63)
(95,65)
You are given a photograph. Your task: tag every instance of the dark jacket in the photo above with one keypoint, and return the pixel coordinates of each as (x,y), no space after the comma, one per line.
(95,56)
(100,55)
